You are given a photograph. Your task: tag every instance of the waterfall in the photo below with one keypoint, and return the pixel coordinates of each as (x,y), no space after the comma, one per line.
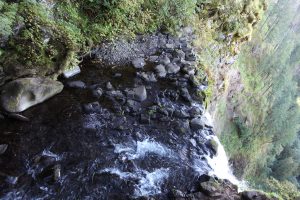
(220,164)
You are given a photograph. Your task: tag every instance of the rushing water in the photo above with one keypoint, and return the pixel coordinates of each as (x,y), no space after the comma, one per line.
(72,149)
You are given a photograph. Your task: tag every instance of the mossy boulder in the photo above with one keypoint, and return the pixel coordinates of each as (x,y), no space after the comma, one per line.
(21,94)
(213,144)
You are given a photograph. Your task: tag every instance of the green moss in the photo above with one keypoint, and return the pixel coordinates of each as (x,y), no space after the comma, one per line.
(282,190)
(8,18)
(44,46)
(214,145)
(52,39)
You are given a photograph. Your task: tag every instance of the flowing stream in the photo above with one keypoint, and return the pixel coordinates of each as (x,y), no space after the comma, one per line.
(77,146)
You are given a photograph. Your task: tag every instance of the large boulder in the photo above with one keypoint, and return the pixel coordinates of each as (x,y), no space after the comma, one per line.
(196,123)
(18,95)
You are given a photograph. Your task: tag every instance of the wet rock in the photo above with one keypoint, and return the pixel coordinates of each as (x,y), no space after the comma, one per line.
(3,148)
(138,63)
(181,114)
(185,95)
(170,111)
(12,180)
(117,107)
(196,111)
(148,77)
(206,121)
(190,70)
(172,68)
(97,92)
(138,93)
(210,189)
(109,86)
(18,117)
(182,126)
(117,75)
(134,106)
(71,72)
(196,124)
(194,81)
(92,107)
(180,54)
(187,48)
(116,94)
(119,123)
(46,173)
(190,57)
(24,93)
(199,196)
(172,94)
(180,83)
(76,84)
(163,111)
(153,58)
(213,146)
(161,71)
(165,60)
(57,172)
(217,188)
(145,118)
(176,60)
(183,42)
(177,195)
(170,46)
(191,64)
(199,96)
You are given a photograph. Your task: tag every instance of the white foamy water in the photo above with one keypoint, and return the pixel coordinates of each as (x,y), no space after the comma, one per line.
(219,163)
(142,148)
(149,182)
(48,153)
(148,146)
(123,175)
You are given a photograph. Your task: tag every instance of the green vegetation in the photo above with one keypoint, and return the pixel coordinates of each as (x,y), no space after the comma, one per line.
(47,38)
(8,18)
(261,136)
(284,190)
(51,38)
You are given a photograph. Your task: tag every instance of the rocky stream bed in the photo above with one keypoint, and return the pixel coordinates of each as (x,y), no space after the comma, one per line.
(130,128)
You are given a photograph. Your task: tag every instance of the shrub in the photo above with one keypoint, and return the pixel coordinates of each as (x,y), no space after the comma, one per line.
(285,189)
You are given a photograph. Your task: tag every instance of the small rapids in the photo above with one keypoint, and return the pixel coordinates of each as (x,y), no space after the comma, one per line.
(142,148)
